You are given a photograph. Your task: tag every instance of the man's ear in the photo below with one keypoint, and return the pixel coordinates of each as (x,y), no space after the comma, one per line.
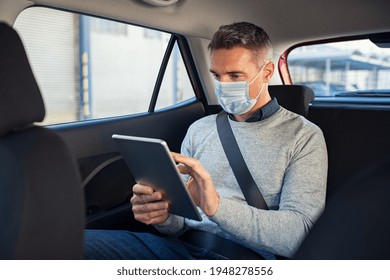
(269,69)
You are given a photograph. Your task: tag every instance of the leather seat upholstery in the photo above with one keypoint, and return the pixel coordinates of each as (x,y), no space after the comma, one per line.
(295,98)
(41,203)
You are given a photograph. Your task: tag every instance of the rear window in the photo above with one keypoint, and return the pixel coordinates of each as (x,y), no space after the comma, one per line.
(354,68)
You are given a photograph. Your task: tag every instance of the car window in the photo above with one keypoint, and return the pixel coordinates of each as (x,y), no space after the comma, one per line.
(90,68)
(176,86)
(350,68)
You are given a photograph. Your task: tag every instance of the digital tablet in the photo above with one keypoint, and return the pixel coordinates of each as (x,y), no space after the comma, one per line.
(151,163)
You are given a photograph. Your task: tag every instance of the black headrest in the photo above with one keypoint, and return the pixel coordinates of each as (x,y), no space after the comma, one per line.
(21,103)
(295,98)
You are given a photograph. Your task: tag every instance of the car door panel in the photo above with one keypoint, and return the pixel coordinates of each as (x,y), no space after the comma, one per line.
(106,179)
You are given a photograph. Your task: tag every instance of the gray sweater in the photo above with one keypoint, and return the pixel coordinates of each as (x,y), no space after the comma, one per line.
(286,155)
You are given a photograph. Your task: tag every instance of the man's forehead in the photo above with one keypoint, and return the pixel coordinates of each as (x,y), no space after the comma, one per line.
(231,60)
(233,53)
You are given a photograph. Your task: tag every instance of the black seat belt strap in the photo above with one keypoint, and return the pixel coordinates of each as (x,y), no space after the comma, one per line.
(244,178)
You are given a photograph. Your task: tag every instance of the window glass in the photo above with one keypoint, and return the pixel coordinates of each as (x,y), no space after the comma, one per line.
(176,86)
(350,68)
(89,68)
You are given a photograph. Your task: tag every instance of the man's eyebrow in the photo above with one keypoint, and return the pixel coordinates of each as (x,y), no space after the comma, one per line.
(229,73)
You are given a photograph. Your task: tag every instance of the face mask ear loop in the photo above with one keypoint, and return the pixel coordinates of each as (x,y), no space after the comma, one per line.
(257,75)
(261,89)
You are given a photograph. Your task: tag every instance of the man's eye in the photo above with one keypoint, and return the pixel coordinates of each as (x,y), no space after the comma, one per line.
(216,76)
(236,77)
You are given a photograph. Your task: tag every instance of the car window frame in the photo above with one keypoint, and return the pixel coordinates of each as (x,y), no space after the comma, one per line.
(190,67)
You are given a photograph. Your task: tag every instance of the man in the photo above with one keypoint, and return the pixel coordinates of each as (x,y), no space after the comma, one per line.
(285,153)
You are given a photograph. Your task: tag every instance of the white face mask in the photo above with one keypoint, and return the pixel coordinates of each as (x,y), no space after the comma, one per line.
(234,96)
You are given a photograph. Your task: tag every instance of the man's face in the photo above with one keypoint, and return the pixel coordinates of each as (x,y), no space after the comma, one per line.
(236,65)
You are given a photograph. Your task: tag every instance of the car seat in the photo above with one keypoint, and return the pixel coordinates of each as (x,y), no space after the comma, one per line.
(41,204)
(356,222)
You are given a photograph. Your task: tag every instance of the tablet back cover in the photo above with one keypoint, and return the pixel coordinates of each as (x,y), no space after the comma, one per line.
(151,164)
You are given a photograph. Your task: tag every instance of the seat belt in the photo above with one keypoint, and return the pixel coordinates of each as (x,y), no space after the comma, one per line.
(244,178)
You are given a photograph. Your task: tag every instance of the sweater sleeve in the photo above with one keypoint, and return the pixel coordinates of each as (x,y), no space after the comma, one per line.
(172,226)
(302,200)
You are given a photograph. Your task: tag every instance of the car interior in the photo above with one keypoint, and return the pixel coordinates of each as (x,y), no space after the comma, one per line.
(59,177)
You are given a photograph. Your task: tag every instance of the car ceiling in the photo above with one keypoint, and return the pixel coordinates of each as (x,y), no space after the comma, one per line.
(286,21)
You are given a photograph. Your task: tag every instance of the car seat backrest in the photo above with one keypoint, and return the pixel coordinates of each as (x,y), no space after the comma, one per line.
(41,203)
(356,137)
(356,222)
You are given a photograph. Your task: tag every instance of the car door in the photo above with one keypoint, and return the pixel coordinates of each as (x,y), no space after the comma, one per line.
(100,77)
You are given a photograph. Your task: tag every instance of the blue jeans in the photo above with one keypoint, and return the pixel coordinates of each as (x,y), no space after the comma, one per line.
(125,245)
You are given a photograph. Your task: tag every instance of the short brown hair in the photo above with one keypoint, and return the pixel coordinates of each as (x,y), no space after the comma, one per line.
(246,35)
